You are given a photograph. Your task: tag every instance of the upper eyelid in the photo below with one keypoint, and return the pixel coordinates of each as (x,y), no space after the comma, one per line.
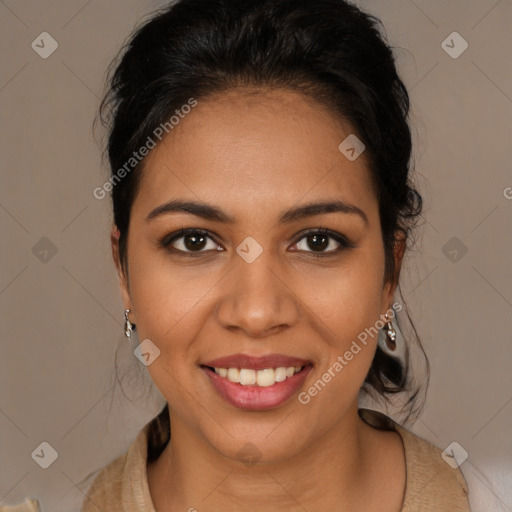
(173,237)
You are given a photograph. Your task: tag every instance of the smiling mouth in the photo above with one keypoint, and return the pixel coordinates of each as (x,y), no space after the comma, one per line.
(261,378)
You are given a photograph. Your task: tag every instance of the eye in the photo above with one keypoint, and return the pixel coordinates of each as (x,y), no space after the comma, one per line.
(189,241)
(323,242)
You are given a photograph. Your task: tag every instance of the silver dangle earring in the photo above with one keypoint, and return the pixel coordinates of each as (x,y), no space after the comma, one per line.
(391,339)
(390,334)
(128,326)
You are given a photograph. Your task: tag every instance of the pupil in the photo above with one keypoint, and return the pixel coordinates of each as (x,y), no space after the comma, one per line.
(191,242)
(319,242)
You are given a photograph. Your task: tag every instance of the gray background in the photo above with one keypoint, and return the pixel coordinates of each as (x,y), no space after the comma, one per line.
(61,314)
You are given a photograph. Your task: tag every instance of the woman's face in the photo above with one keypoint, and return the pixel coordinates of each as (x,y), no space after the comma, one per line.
(257,286)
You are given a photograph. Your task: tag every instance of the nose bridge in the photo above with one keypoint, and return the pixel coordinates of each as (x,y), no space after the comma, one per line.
(257,300)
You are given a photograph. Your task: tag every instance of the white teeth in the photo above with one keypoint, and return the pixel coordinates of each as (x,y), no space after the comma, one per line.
(247,377)
(266,377)
(263,378)
(280,374)
(233,374)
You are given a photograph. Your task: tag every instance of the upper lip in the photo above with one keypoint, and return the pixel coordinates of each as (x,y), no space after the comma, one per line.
(256,362)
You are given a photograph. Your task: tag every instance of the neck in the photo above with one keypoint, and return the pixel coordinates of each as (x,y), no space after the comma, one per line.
(332,471)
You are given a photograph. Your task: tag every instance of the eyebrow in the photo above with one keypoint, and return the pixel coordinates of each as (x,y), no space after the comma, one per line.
(213,213)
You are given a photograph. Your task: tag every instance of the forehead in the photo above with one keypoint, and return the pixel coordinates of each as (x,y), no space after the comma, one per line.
(253,149)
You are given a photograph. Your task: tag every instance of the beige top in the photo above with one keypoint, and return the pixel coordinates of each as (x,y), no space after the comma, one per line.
(30,505)
(431,486)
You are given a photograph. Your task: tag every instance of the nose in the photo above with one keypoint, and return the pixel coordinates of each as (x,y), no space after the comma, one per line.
(258,299)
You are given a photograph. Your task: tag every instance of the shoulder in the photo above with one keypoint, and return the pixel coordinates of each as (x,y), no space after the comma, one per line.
(432,485)
(122,481)
(430,479)
(106,488)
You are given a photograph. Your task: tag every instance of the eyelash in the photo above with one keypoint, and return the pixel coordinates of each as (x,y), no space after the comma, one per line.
(341,239)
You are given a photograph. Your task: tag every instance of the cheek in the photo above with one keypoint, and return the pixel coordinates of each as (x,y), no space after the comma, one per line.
(171,302)
(346,299)
(347,308)
(347,303)
(162,290)
(170,310)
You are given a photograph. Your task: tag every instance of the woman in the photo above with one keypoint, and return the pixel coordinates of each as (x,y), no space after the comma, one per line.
(262,202)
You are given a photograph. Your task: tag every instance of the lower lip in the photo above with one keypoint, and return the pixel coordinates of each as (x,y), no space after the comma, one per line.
(257,398)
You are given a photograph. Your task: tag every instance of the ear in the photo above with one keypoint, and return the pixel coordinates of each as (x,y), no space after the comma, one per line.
(389,289)
(123,277)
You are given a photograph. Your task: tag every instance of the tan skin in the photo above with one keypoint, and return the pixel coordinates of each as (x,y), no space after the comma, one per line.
(280,148)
